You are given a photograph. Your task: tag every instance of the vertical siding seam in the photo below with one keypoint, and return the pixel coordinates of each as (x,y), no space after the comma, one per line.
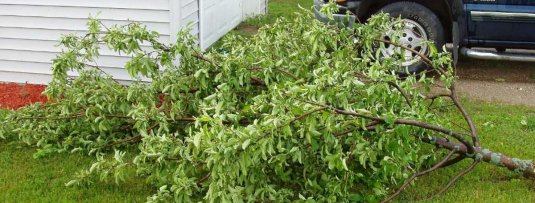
(201,26)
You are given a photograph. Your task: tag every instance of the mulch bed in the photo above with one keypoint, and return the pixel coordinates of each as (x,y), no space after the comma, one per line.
(14,96)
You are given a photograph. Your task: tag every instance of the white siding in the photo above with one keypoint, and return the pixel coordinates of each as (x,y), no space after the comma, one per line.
(30,29)
(130,4)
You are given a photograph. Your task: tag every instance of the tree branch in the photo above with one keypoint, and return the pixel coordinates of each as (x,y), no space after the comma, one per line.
(436,166)
(466,116)
(455,160)
(452,181)
(525,167)
(405,95)
(204,178)
(278,70)
(423,58)
(414,123)
(306,114)
(368,127)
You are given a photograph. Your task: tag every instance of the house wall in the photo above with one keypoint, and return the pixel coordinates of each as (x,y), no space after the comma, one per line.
(30,29)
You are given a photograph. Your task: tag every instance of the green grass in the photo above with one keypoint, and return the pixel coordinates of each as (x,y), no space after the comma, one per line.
(502,130)
(24,179)
(279,8)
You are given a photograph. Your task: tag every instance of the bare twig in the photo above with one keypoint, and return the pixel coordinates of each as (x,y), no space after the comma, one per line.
(205,59)
(127,140)
(409,122)
(466,116)
(453,161)
(453,180)
(74,116)
(204,178)
(256,68)
(82,115)
(405,95)
(103,72)
(452,95)
(365,78)
(414,123)
(307,114)
(368,127)
(433,97)
(257,82)
(423,58)
(436,166)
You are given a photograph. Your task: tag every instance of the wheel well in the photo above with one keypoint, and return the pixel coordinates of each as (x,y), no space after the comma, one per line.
(440,7)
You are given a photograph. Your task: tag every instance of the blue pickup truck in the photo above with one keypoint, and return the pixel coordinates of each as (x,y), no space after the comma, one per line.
(465,25)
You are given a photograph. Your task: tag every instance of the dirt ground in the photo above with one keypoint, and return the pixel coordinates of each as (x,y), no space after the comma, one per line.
(497,81)
(497,71)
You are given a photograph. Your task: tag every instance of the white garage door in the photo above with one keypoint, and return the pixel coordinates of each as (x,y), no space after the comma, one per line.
(254,7)
(217,18)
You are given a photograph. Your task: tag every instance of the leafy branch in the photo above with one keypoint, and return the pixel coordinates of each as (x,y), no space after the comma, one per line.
(297,112)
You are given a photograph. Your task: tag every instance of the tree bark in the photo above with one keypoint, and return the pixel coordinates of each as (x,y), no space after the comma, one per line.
(524,167)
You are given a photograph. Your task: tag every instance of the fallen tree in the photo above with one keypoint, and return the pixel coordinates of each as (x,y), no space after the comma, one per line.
(301,111)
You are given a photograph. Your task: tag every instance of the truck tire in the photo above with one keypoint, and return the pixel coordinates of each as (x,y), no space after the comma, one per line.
(418,18)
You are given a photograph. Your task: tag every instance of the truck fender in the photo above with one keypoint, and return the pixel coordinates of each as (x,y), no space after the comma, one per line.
(459,27)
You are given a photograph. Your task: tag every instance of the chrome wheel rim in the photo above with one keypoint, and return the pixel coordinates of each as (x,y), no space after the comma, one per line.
(412,36)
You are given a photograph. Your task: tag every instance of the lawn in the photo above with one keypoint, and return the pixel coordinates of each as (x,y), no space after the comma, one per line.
(280,8)
(25,179)
(502,128)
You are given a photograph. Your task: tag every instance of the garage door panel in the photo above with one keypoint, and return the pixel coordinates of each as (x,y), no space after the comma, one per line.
(217,18)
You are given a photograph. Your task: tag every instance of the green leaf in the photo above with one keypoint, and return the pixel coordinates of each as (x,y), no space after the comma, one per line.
(245,144)
(197,140)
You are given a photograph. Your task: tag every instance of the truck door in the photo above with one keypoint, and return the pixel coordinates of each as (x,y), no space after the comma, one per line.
(501,23)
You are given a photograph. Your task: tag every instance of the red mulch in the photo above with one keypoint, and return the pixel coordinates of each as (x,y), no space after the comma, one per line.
(14,96)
